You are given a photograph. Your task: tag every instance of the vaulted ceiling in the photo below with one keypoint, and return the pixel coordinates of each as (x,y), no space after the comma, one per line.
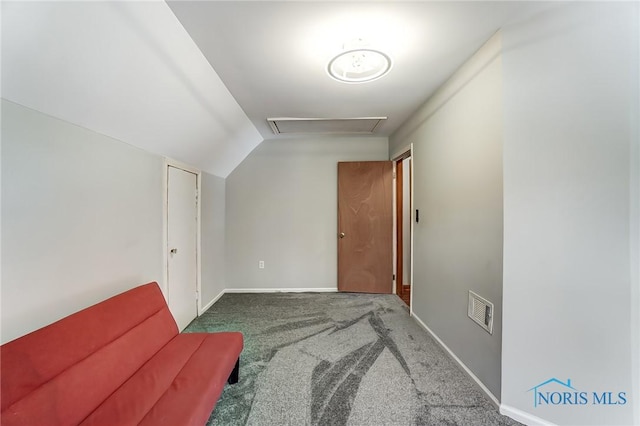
(196,80)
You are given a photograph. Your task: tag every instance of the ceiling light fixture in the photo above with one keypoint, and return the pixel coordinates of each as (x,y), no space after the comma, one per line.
(359,64)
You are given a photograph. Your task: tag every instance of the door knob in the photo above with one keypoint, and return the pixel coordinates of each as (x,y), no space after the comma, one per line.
(342,235)
(174,250)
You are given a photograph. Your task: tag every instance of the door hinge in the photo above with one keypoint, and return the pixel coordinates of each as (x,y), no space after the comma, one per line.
(394,277)
(394,174)
(197,296)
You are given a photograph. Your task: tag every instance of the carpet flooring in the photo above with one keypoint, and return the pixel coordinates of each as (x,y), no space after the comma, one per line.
(339,359)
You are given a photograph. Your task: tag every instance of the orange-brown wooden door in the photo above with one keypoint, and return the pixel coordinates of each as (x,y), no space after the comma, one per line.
(365,226)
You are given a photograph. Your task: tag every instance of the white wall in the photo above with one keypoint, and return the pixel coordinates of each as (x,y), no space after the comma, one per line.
(634,253)
(212,237)
(457,160)
(281,207)
(81,218)
(571,125)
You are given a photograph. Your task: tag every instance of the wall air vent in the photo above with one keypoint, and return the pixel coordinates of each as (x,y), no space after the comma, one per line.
(325,126)
(481,311)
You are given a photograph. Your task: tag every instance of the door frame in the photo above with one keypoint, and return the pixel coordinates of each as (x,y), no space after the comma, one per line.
(168,162)
(399,155)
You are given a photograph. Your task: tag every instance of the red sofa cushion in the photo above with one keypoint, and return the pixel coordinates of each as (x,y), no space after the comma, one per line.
(178,386)
(68,368)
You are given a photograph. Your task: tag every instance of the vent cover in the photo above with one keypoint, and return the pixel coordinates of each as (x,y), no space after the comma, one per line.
(481,311)
(290,125)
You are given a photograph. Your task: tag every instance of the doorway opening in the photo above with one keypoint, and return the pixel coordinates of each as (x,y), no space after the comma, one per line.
(403,224)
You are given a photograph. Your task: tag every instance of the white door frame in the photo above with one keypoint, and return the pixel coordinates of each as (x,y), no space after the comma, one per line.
(395,157)
(168,162)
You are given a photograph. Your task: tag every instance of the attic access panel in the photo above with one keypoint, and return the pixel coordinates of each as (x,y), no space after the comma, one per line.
(360,125)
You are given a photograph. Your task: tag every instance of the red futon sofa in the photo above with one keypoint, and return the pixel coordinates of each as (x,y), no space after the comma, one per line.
(120,362)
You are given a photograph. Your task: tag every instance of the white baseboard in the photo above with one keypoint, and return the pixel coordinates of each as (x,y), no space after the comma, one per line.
(523,417)
(210,304)
(464,367)
(282,290)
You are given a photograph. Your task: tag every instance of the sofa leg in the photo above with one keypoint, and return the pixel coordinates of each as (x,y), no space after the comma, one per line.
(233,377)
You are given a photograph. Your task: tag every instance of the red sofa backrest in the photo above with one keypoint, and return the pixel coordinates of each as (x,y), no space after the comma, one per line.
(77,362)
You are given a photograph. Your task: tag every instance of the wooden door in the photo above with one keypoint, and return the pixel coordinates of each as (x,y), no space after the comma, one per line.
(365,226)
(182,216)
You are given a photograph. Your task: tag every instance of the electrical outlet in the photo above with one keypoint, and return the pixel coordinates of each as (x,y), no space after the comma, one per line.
(261,264)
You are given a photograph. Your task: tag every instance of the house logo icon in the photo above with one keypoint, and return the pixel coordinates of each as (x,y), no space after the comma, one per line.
(540,397)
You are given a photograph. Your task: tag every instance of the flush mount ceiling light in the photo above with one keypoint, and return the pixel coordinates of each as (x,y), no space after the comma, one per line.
(359,65)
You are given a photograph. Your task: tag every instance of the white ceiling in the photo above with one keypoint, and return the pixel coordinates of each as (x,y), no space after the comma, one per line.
(196,80)
(273,55)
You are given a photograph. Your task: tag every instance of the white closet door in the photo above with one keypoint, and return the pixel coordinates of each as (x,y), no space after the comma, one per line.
(182,216)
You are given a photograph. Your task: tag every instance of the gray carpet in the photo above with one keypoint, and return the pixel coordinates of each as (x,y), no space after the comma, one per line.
(339,359)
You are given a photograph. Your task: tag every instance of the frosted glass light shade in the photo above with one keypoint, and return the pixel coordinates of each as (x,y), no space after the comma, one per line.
(359,66)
